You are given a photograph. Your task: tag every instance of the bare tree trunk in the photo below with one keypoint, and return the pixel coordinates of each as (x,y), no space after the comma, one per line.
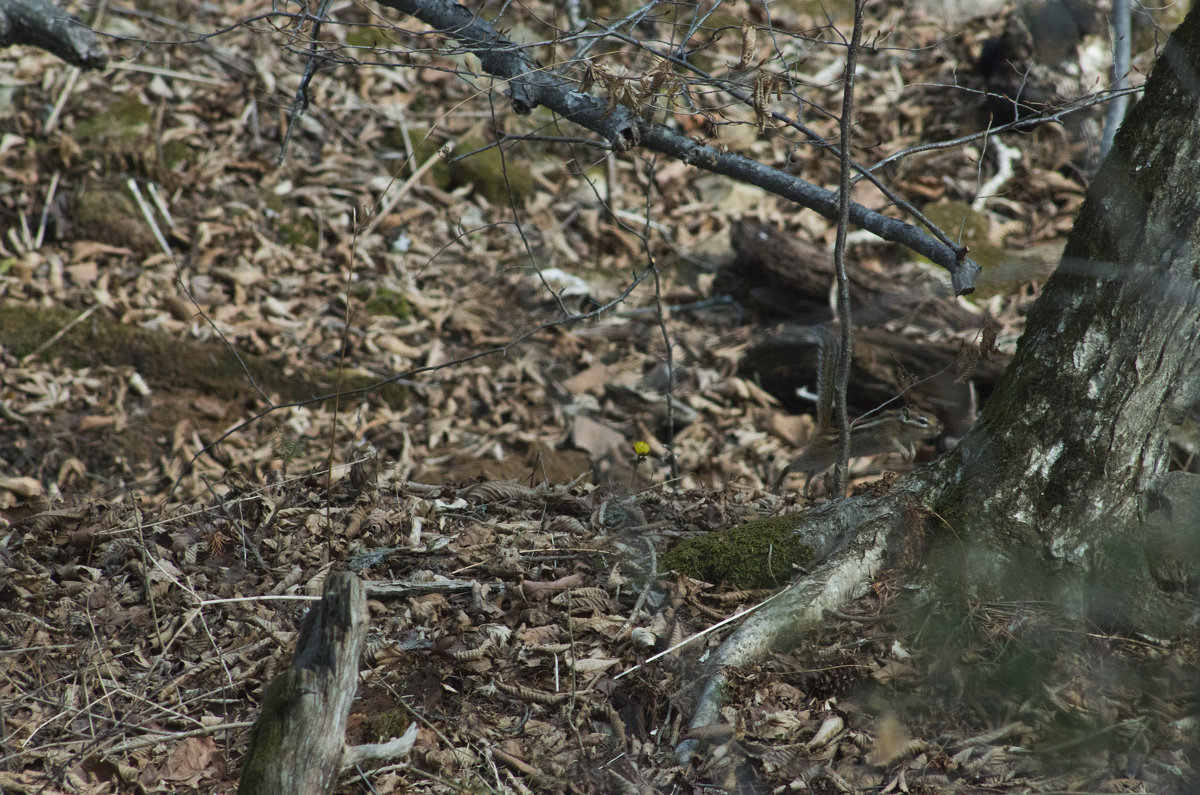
(1051,493)
(1075,435)
(41,24)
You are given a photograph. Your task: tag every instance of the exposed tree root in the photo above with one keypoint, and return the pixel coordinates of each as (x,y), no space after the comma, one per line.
(862,536)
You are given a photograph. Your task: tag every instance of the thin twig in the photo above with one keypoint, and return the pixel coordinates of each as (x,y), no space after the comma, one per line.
(174,74)
(842,378)
(703,633)
(149,216)
(82,316)
(300,101)
(385,207)
(529,84)
(133,745)
(41,233)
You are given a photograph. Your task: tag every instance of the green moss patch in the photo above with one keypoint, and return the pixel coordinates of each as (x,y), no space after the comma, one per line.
(490,174)
(759,554)
(209,367)
(121,122)
(388,303)
(106,213)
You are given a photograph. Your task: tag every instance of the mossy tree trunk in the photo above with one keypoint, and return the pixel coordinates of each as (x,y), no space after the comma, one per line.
(1057,492)
(1056,470)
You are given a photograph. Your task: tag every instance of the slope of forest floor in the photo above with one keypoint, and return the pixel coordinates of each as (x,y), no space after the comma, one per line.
(176,481)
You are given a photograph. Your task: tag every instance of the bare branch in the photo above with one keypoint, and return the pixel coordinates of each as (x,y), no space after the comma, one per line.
(845,125)
(530,85)
(41,24)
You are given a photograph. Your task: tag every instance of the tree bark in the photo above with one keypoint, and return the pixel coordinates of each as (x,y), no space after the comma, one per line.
(41,24)
(1045,496)
(1076,433)
(1060,490)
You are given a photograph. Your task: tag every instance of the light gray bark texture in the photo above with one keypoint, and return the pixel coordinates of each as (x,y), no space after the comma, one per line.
(298,745)
(1076,434)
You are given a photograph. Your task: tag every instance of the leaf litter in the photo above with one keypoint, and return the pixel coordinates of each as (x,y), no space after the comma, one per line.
(153,579)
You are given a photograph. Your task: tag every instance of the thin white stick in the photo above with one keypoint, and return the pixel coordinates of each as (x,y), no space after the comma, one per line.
(37,242)
(160,204)
(149,216)
(166,736)
(158,70)
(64,95)
(701,634)
(391,201)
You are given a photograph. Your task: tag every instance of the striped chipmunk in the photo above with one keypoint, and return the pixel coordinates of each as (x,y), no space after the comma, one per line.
(883,432)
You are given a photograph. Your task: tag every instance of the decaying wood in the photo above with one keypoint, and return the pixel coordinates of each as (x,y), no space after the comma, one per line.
(298,742)
(784,359)
(776,275)
(855,540)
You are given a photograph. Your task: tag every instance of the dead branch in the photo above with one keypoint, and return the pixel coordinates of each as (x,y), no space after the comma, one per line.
(530,84)
(41,24)
(871,529)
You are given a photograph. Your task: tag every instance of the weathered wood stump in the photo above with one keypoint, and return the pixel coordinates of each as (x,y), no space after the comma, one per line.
(297,746)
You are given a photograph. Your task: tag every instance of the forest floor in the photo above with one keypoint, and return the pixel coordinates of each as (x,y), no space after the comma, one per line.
(176,479)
